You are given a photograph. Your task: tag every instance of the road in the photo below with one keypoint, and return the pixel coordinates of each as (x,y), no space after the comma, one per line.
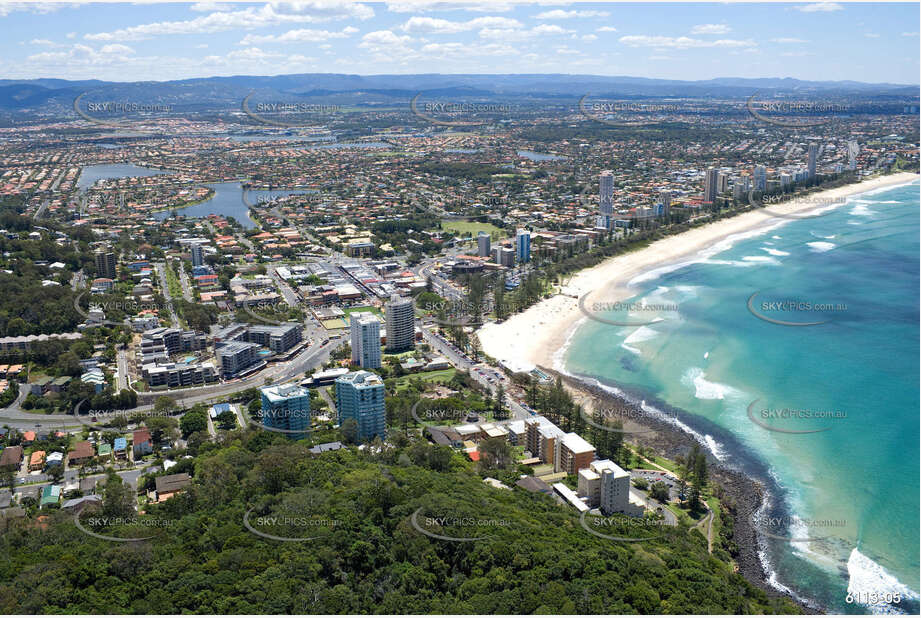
(73,476)
(464,363)
(186,285)
(160,267)
(121,378)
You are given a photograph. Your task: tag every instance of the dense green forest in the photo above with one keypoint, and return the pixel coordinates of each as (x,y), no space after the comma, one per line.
(366,554)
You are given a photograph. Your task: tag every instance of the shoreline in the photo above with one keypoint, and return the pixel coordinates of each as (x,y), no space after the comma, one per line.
(534,336)
(540,335)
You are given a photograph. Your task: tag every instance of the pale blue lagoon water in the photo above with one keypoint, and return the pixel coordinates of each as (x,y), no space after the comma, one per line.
(851,488)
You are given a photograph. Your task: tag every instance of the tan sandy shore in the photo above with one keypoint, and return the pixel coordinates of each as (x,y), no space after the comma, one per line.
(532,337)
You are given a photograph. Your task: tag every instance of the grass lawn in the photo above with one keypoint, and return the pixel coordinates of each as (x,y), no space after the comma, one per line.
(351,310)
(440,376)
(471,228)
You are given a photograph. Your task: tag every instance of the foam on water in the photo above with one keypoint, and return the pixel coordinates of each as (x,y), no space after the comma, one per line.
(821,247)
(762,259)
(776,252)
(860,210)
(703,388)
(865,576)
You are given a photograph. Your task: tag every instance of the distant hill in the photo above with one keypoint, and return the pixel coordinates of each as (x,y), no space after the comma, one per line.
(228,92)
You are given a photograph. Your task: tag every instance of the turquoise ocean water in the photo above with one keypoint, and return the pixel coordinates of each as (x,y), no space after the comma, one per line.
(843,514)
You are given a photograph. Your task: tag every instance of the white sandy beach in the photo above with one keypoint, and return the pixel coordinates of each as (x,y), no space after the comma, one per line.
(532,337)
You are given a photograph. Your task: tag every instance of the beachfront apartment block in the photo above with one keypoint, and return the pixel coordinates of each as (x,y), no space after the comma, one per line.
(366,339)
(360,397)
(566,452)
(286,409)
(605,485)
(523,246)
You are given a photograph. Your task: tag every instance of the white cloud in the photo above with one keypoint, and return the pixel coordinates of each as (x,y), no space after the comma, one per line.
(588,38)
(206,7)
(43,42)
(424,6)
(561,14)
(511,34)
(248,19)
(909,34)
(681,42)
(820,7)
(433,25)
(786,40)
(42,8)
(871,35)
(567,51)
(606,29)
(710,29)
(303,35)
(116,48)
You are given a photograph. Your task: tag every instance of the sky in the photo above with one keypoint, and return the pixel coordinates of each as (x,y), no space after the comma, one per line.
(148,41)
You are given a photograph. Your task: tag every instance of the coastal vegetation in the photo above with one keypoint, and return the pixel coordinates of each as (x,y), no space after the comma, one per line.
(367,556)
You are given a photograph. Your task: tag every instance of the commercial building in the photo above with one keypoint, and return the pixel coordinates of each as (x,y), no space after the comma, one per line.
(360,397)
(400,322)
(234,357)
(286,407)
(483,242)
(366,340)
(523,245)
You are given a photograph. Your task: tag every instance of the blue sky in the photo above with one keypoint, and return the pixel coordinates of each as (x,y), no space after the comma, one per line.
(144,41)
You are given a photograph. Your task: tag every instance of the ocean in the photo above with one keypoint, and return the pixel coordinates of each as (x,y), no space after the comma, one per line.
(792,353)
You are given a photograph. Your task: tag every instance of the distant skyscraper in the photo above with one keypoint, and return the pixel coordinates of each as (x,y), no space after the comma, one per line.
(811,157)
(105,263)
(852,150)
(523,245)
(286,407)
(760,178)
(665,198)
(360,396)
(606,195)
(785,181)
(483,244)
(710,185)
(400,322)
(366,340)
(197,257)
(722,183)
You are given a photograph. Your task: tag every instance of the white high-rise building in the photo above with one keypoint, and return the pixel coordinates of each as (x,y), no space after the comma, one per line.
(711,181)
(852,150)
(366,340)
(812,155)
(606,194)
(760,178)
(400,322)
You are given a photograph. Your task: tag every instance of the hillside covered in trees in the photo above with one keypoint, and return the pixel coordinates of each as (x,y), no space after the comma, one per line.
(367,514)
